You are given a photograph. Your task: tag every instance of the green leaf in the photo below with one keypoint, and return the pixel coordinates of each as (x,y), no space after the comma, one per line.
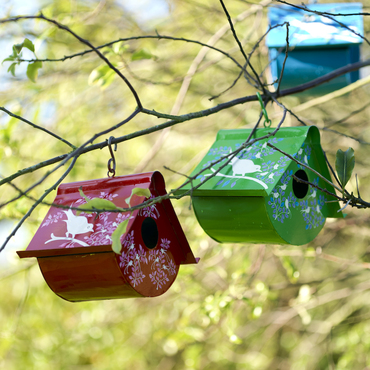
(83,194)
(116,236)
(27,43)
(102,76)
(142,54)
(17,48)
(119,47)
(10,58)
(15,54)
(139,192)
(11,69)
(33,70)
(99,204)
(344,165)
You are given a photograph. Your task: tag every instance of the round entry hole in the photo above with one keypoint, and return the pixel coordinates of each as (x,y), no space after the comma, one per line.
(149,233)
(300,189)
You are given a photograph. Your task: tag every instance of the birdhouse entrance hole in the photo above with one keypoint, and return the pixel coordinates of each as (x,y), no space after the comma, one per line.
(300,189)
(149,233)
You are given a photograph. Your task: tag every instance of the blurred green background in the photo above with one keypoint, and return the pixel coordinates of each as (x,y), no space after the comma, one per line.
(243,306)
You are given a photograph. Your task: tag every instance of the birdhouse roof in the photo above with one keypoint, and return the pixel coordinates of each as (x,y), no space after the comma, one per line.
(259,167)
(309,29)
(91,232)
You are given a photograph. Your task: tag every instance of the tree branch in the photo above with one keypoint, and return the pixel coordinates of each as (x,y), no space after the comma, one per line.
(241,47)
(83,41)
(38,127)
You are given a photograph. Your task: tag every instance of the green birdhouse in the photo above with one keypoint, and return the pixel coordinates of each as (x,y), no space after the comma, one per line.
(253,196)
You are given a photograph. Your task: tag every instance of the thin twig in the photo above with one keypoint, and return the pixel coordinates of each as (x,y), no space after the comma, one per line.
(227,89)
(331,169)
(285,58)
(240,45)
(75,154)
(86,42)
(317,187)
(305,166)
(43,196)
(37,127)
(125,39)
(348,116)
(330,16)
(189,116)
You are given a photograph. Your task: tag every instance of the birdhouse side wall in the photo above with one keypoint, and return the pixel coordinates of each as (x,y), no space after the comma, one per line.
(296,209)
(147,260)
(229,219)
(86,277)
(306,64)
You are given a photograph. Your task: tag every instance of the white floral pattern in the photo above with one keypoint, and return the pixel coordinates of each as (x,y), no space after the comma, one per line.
(101,230)
(52,219)
(136,261)
(150,211)
(161,265)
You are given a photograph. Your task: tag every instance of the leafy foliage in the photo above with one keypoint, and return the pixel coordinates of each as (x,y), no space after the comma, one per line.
(15,58)
(344,165)
(116,236)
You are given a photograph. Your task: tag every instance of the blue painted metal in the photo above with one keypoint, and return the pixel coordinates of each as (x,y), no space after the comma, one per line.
(317,44)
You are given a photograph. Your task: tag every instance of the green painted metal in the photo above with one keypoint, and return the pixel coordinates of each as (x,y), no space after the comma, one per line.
(229,219)
(253,197)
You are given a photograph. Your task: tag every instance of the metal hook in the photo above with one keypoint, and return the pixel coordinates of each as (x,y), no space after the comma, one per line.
(267,122)
(112,161)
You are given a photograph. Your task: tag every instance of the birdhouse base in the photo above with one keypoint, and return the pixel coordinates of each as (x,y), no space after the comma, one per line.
(86,277)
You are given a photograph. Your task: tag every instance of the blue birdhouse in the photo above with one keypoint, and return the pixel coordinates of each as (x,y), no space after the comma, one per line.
(317,44)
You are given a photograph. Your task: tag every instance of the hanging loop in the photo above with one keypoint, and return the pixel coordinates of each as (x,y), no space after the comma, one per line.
(112,161)
(267,122)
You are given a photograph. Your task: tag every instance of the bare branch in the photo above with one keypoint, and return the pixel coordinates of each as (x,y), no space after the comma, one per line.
(86,42)
(37,127)
(125,39)
(285,58)
(241,47)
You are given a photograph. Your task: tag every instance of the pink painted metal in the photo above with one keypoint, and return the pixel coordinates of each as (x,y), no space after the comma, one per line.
(74,251)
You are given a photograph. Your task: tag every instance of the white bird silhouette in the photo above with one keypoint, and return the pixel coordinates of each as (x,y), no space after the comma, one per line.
(313,195)
(76,224)
(307,210)
(287,207)
(243,166)
(283,187)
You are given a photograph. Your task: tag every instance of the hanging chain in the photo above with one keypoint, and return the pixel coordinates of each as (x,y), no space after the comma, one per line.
(112,161)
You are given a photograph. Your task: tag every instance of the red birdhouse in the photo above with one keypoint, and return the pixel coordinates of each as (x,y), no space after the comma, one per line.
(74,249)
